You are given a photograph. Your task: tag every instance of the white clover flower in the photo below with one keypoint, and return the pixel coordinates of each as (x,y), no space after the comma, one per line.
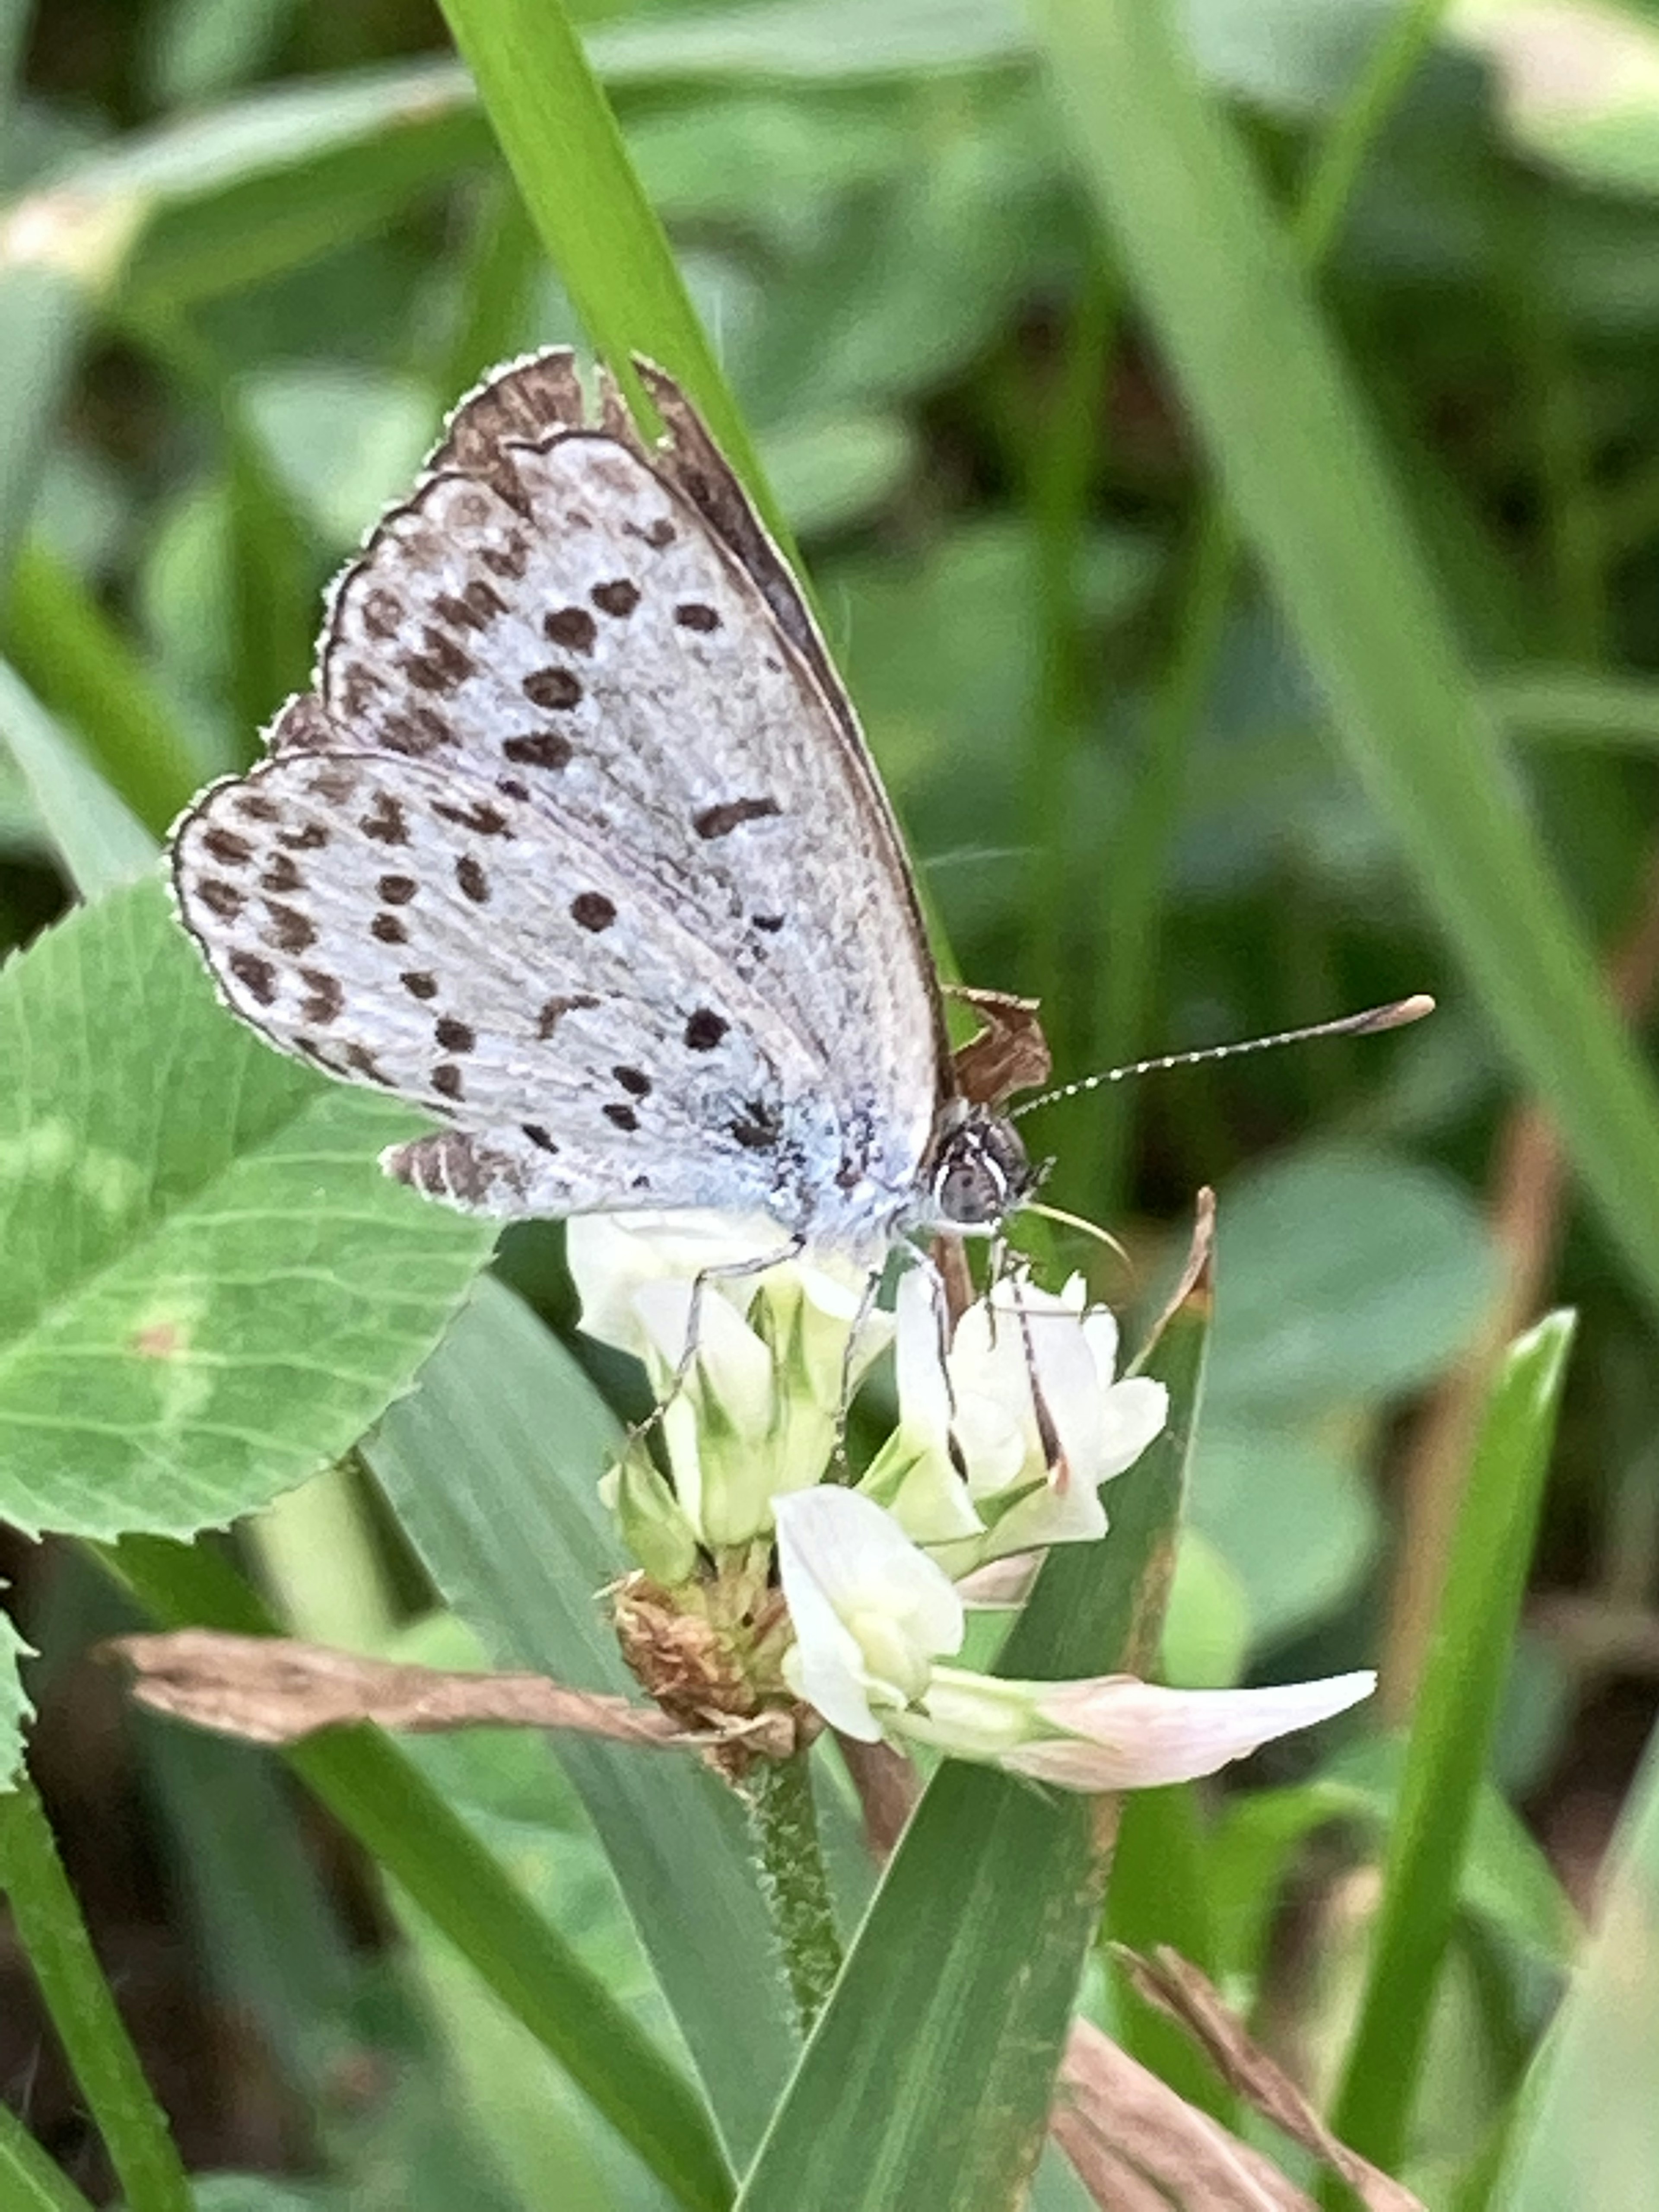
(1008,1497)
(1114,1731)
(761,1404)
(871,1613)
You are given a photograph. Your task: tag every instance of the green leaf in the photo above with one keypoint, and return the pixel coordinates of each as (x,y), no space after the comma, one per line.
(493,1466)
(1303,469)
(1589,2129)
(15,1710)
(98,840)
(1455,1715)
(927,2081)
(1352,1274)
(210,1289)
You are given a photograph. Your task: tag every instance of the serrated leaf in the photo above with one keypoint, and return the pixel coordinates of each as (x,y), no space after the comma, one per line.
(15,1710)
(210,1290)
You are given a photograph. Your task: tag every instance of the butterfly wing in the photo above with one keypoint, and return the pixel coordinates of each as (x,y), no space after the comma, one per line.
(411,930)
(565,622)
(596,643)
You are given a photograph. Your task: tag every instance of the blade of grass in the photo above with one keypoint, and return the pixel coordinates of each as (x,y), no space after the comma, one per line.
(379,1797)
(1301,464)
(81,667)
(1136,884)
(520,1550)
(29,2180)
(1568,706)
(1586,2131)
(928,2079)
(1450,1740)
(48,1919)
(561,142)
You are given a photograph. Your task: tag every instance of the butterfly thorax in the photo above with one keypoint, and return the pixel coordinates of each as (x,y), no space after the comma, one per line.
(977,1173)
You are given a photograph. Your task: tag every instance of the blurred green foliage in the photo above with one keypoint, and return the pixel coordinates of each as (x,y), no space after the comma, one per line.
(250,252)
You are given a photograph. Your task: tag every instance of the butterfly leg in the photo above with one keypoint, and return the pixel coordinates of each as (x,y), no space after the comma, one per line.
(722,1271)
(866,1306)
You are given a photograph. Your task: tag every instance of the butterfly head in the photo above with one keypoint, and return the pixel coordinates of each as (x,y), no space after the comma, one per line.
(979,1172)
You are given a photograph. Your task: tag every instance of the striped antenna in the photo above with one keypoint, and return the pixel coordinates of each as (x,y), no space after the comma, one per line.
(1371,1022)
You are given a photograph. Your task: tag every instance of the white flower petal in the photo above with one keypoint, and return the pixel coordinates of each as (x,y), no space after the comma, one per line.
(869,1611)
(1134,1411)
(733,1366)
(924,1393)
(611,1254)
(1139,1735)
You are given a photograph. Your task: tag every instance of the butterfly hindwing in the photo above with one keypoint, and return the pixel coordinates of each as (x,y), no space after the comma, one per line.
(411,931)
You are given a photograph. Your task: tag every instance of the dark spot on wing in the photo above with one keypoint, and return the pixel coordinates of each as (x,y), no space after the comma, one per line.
(538,1136)
(257,975)
(333,782)
(360,1058)
(618,597)
(326,997)
(660,533)
(571,627)
(472,879)
(623,1116)
(478,606)
(224,899)
(511,788)
(510,558)
(443,667)
(383,610)
(593,910)
(769,922)
(226,847)
(290,930)
(757,1128)
(386,821)
(257,806)
(731,814)
(692,614)
(447,1079)
(397,890)
(454,1035)
(555,1009)
(416,734)
(359,687)
(541,748)
(487,820)
(310,838)
(704,1031)
(419,984)
(389,929)
(634,1081)
(282,875)
(552,688)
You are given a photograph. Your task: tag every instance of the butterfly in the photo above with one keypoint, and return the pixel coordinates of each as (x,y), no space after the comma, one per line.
(576,843)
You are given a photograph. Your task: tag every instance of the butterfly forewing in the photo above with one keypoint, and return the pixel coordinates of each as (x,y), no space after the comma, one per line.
(564,755)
